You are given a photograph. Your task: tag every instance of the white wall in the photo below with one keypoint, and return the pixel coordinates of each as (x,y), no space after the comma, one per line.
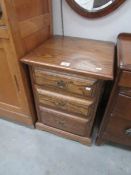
(105,28)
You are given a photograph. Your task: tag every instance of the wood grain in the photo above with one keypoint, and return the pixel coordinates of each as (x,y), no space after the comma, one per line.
(16,99)
(116,123)
(34,24)
(63,70)
(90,57)
(72,84)
(118,134)
(51,117)
(125,91)
(122,106)
(83,140)
(4,32)
(65,103)
(99,13)
(124,51)
(31,8)
(125,79)
(7,96)
(63,121)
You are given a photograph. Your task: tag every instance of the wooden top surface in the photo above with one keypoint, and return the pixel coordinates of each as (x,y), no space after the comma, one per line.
(88,57)
(124,51)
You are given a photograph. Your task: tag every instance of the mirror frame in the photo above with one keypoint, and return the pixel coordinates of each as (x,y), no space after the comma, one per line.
(103,12)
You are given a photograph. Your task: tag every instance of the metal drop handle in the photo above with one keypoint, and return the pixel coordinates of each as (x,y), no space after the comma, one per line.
(60,103)
(61,84)
(61,123)
(128,132)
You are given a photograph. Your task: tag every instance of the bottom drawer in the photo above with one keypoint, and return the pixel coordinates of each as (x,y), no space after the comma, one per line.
(63,121)
(119,130)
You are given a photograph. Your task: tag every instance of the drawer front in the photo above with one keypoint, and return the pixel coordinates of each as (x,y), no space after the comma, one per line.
(125,91)
(125,79)
(64,121)
(67,83)
(122,107)
(64,103)
(119,130)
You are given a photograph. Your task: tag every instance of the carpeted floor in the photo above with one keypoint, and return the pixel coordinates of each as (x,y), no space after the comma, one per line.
(25,151)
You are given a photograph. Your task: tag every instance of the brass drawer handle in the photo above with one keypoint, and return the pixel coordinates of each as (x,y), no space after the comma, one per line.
(128,132)
(61,84)
(60,103)
(61,123)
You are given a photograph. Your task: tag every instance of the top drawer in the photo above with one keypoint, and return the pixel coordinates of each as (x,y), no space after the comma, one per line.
(81,86)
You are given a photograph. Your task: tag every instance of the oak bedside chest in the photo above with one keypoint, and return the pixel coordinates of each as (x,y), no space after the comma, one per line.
(68,76)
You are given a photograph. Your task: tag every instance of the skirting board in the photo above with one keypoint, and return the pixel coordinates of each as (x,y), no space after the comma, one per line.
(16,118)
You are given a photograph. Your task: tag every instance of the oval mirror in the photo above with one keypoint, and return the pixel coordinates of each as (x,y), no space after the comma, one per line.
(94,8)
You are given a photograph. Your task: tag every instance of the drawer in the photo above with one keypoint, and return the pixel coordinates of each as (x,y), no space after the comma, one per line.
(64,103)
(125,91)
(72,84)
(125,79)
(122,107)
(119,130)
(64,121)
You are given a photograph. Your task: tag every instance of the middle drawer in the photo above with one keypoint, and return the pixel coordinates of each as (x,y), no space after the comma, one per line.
(122,107)
(72,84)
(64,103)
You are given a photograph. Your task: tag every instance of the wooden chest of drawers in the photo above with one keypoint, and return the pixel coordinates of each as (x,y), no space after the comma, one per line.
(116,125)
(67,76)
